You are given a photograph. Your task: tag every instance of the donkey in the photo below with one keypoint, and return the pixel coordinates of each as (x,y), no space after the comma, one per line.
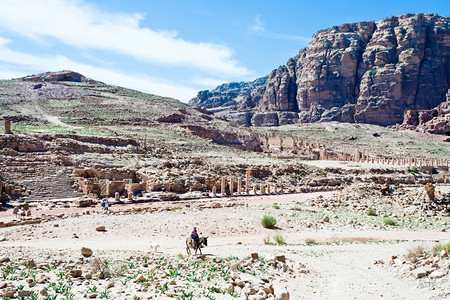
(202,241)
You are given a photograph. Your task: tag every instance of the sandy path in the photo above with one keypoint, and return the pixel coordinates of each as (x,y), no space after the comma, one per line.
(337,271)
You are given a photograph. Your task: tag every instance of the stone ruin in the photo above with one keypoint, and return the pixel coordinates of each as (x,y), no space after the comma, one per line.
(108,183)
(8,127)
(315,151)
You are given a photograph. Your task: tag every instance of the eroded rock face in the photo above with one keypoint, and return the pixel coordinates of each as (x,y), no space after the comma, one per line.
(367,72)
(436,120)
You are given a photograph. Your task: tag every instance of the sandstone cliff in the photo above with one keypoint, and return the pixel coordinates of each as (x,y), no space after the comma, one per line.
(436,120)
(368,72)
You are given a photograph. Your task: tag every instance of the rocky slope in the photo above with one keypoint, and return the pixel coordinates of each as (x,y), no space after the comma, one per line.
(436,120)
(367,72)
(69,100)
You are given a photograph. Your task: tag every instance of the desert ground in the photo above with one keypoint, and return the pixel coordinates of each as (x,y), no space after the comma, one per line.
(324,253)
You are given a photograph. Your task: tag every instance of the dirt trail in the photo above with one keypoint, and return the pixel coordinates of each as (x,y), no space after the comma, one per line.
(337,270)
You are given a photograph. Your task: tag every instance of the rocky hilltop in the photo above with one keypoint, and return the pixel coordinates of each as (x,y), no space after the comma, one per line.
(367,72)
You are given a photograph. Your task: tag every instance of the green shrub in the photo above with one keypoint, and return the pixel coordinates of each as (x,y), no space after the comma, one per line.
(371,211)
(389,222)
(438,248)
(268,221)
(279,239)
(413,170)
(176,208)
(276,206)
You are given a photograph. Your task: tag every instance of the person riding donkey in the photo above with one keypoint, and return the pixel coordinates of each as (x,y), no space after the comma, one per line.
(194,238)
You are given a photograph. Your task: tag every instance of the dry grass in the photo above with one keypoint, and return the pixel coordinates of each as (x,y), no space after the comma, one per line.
(310,241)
(279,239)
(414,253)
(354,239)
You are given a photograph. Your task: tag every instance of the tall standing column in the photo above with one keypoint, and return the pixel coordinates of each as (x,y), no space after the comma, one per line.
(240,185)
(8,127)
(214,191)
(222,186)
(231,185)
(247,182)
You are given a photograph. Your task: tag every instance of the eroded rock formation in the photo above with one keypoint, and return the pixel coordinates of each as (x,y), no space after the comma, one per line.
(436,120)
(367,72)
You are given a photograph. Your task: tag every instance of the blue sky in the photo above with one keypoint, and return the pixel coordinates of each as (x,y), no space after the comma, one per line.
(173,48)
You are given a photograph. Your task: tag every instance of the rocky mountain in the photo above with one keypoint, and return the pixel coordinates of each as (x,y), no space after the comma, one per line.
(367,72)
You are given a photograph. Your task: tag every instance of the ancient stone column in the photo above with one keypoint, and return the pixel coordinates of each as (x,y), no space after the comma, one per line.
(255,189)
(130,196)
(8,127)
(247,182)
(240,185)
(268,188)
(263,189)
(214,191)
(231,185)
(222,186)
(117,196)
(275,189)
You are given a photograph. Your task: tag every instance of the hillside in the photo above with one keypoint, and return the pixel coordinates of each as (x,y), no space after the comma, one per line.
(367,72)
(68,102)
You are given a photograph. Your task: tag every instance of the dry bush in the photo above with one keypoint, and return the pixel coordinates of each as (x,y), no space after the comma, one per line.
(354,239)
(267,240)
(412,254)
(429,188)
(279,239)
(310,241)
(108,268)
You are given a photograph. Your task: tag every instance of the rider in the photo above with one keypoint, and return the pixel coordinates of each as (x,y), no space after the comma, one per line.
(194,237)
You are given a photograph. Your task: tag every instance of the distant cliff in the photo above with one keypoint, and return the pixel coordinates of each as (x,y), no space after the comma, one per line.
(368,72)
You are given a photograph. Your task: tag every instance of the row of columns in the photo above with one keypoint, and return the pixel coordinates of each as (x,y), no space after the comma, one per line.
(262,188)
(364,156)
(356,155)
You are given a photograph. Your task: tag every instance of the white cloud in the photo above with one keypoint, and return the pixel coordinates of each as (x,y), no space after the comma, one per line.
(84,26)
(258,28)
(57,63)
(258,25)
(207,82)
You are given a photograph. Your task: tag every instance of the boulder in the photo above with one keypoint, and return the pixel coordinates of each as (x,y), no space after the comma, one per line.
(419,272)
(86,252)
(100,228)
(76,273)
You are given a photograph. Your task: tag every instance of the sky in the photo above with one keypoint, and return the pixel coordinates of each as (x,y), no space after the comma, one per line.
(173,48)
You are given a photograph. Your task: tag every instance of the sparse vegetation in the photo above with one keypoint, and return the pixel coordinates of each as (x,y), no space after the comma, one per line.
(279,239)
(268,221)
(310,241)
(438,248)
(267,240)
(276,206)
(389,221)
(413,170)
(412,254)
(371,211)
